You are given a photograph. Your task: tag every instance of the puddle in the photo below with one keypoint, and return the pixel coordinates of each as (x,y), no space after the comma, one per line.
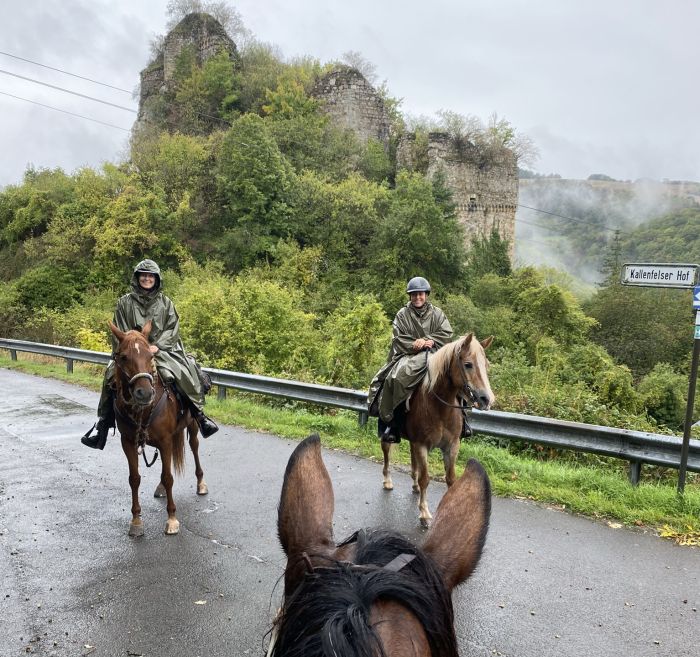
(52,406)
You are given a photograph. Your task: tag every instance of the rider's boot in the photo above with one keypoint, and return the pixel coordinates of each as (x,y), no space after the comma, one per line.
(389,432)
(102,426)
(207,426)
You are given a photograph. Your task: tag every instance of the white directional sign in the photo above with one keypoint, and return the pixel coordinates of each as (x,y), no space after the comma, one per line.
(696,298)
(659,275)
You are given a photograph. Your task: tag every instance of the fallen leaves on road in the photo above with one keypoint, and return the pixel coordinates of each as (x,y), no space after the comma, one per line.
(689,537)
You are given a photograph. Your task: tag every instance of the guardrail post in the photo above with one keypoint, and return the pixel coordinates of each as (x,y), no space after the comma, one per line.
(69,365)
(13,354)
(362,418)
(635,472)
(221,393)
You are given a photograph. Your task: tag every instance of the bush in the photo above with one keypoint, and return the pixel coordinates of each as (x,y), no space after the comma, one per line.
(663,393)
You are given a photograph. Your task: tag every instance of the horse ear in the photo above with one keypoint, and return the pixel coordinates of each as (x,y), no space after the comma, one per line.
(117,333)
(305,514)
(486,342)
(146,330)
(467,339)
(456,538)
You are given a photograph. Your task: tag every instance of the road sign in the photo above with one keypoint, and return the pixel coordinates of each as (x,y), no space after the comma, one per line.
(648,274)
(696,297)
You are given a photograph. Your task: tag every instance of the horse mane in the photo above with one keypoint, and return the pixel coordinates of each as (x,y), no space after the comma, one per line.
(328,614)
(439,363)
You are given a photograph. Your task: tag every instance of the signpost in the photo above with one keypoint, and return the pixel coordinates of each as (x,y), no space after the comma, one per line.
(648,274)
(659,275)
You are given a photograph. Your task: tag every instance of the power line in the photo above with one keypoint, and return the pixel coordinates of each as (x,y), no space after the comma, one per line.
(68,91)
(60,70)
(87,118)
(561,216)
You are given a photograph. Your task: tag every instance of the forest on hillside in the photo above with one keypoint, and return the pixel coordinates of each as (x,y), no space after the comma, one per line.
(286,245)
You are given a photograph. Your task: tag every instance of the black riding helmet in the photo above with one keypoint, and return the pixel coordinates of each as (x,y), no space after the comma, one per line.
(147,267)
(418,284)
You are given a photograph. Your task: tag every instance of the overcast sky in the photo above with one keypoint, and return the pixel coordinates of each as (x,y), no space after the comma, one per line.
(601,86)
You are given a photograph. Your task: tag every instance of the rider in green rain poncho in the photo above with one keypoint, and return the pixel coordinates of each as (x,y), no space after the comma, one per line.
(146,302)
(419,328)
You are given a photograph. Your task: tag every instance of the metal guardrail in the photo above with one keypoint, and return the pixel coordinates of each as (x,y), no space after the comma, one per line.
(637,447)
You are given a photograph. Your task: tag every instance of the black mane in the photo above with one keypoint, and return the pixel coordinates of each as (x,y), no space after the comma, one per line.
(328,614)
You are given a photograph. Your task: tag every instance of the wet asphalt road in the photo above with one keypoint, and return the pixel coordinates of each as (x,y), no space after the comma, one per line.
(74,583)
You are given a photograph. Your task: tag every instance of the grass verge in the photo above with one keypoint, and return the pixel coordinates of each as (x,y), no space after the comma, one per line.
(590,486)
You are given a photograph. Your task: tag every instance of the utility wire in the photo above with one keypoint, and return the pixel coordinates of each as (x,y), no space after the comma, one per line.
(87,118)
(68,91)
(561,216)
(60,70)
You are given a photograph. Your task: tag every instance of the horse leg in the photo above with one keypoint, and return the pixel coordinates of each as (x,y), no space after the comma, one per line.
(132,456)
(172,525)
(202,488)
(449,458)
(421,460)
(388,483)
(414,472)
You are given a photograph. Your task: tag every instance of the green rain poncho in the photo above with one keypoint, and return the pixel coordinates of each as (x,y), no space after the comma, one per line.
(133,311)
(404,368)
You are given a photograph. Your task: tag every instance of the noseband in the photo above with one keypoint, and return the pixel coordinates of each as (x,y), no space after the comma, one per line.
(141,375)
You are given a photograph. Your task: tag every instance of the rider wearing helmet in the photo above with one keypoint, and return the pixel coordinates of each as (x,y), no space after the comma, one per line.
(419,326)
(146,302)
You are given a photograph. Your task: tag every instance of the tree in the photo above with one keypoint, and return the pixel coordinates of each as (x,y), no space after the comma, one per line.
(254,182)
(488,255)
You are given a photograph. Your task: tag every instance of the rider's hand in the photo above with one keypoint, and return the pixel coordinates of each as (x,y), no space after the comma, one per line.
(418,344)
(153,349)
(429,344)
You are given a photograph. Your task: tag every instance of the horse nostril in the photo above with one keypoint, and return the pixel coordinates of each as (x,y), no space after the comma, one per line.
(484,401)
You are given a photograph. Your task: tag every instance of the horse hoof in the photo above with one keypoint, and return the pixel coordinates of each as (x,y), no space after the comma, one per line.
(425,523)
(160,491)
(388,485)
(202,488)
(172,526)
(136,528)
(416,489)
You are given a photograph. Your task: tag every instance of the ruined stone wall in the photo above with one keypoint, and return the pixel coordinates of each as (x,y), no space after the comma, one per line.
(203,33)
(484,186)
(353,103)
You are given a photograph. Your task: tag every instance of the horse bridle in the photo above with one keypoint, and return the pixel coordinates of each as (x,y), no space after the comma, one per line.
(471,396)
(141,428)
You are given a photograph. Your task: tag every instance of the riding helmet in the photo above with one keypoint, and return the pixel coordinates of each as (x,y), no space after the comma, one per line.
(418,284)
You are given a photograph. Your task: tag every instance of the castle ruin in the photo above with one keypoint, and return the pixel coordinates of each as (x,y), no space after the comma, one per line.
(484,184)
(353,103)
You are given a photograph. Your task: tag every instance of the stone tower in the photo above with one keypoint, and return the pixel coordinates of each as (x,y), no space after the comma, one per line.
(484,185)
(203,33)
(353,103)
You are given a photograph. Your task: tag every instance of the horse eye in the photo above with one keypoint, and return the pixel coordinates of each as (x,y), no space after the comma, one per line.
(468,366)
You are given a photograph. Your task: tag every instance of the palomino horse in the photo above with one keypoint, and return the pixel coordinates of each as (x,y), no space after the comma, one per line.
(434,418)
(148,413)
(376,593)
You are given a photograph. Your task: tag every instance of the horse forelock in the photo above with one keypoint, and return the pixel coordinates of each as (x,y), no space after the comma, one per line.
(330,610)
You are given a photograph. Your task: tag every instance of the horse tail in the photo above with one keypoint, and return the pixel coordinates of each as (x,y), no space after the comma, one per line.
(179,451)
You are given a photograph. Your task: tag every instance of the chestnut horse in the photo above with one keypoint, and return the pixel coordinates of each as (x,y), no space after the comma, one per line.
(434,411)
(376,593)
(149,413)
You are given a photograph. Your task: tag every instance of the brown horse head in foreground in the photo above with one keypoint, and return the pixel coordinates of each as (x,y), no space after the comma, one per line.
(149,413)
(457,370)
(375,593)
